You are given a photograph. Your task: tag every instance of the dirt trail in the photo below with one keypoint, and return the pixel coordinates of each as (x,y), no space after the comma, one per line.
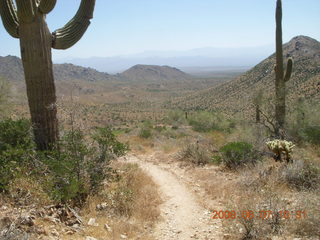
(182,216)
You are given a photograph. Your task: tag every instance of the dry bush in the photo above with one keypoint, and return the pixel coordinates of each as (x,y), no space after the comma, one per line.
(309,226)
(247,200)
(264,188)
(195,154)
(132,206)
(301,174)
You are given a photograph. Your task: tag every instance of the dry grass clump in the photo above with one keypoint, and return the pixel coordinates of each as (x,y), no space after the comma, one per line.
(134,194)
(26,191)
(132,206)
(267,187)
(195,154)
(301,174)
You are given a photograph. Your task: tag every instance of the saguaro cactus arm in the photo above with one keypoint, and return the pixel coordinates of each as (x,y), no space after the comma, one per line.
(71,33)
(9,17)
(46,6)
(289,70)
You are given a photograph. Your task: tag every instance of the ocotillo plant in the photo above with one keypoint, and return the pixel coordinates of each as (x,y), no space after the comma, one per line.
(281,78)
(27,21)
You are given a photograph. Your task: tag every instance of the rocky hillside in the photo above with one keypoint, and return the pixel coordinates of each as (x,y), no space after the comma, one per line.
(236,96)
(154,73)
(11,69)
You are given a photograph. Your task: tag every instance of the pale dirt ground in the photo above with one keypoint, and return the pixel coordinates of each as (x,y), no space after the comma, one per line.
(182,213)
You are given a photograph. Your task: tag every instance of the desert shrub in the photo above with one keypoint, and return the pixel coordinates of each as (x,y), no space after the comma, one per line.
(237,154)
(311,134)
(67,167)
(304,122)
(176,118)
(16,149)
(302,175)
(108,148)
(208,121)
(4,90)
(195,154)
(204,121)
(15,134)
(146,130)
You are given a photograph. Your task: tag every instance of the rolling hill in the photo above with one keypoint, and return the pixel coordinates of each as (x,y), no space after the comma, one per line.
(154,74)
(236,96)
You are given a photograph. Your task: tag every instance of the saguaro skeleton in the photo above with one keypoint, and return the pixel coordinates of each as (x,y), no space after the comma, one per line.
(26,20)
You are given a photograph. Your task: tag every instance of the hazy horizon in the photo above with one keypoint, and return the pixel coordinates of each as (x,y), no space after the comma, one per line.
(121,28)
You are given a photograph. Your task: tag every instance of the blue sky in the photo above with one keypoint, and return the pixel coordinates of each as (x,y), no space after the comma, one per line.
(122,27)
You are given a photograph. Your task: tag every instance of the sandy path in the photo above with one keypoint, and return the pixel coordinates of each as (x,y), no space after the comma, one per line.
(182,216)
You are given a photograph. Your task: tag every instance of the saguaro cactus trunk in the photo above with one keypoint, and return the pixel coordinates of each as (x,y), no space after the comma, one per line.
(27,22)
(281,78)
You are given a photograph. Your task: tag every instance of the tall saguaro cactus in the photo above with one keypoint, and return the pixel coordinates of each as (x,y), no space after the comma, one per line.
(281,77)
(26,20)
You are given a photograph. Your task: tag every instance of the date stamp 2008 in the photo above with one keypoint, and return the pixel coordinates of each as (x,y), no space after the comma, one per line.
(262,214)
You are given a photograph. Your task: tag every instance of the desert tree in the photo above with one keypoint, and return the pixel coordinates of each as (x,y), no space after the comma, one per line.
(26,20)
(281,77)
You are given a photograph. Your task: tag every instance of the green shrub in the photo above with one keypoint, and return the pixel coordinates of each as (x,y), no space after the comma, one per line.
(67,173)
(16,149)
(203,122)
(208,121)
(237,154)
(77,168)
(304,121)
(67,167)
(176,117)
(15,134)
(146,130)
(312,134)
(108,148)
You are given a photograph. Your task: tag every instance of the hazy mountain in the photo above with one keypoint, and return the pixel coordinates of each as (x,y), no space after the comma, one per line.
(199,58)
(236,96)
(11,69)
(153,73)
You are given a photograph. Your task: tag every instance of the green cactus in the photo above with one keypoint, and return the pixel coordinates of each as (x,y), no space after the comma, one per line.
(281,78)
(26,21)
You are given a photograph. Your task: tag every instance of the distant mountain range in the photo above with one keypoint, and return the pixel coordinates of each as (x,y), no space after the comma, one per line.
(11,69)
(236,96)
(190,61)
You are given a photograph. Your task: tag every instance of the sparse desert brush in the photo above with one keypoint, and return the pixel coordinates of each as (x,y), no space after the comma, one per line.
(134,194)
(308,226)
(301,175)
(196,154)
(146,130)
(204,121)
(304,121)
